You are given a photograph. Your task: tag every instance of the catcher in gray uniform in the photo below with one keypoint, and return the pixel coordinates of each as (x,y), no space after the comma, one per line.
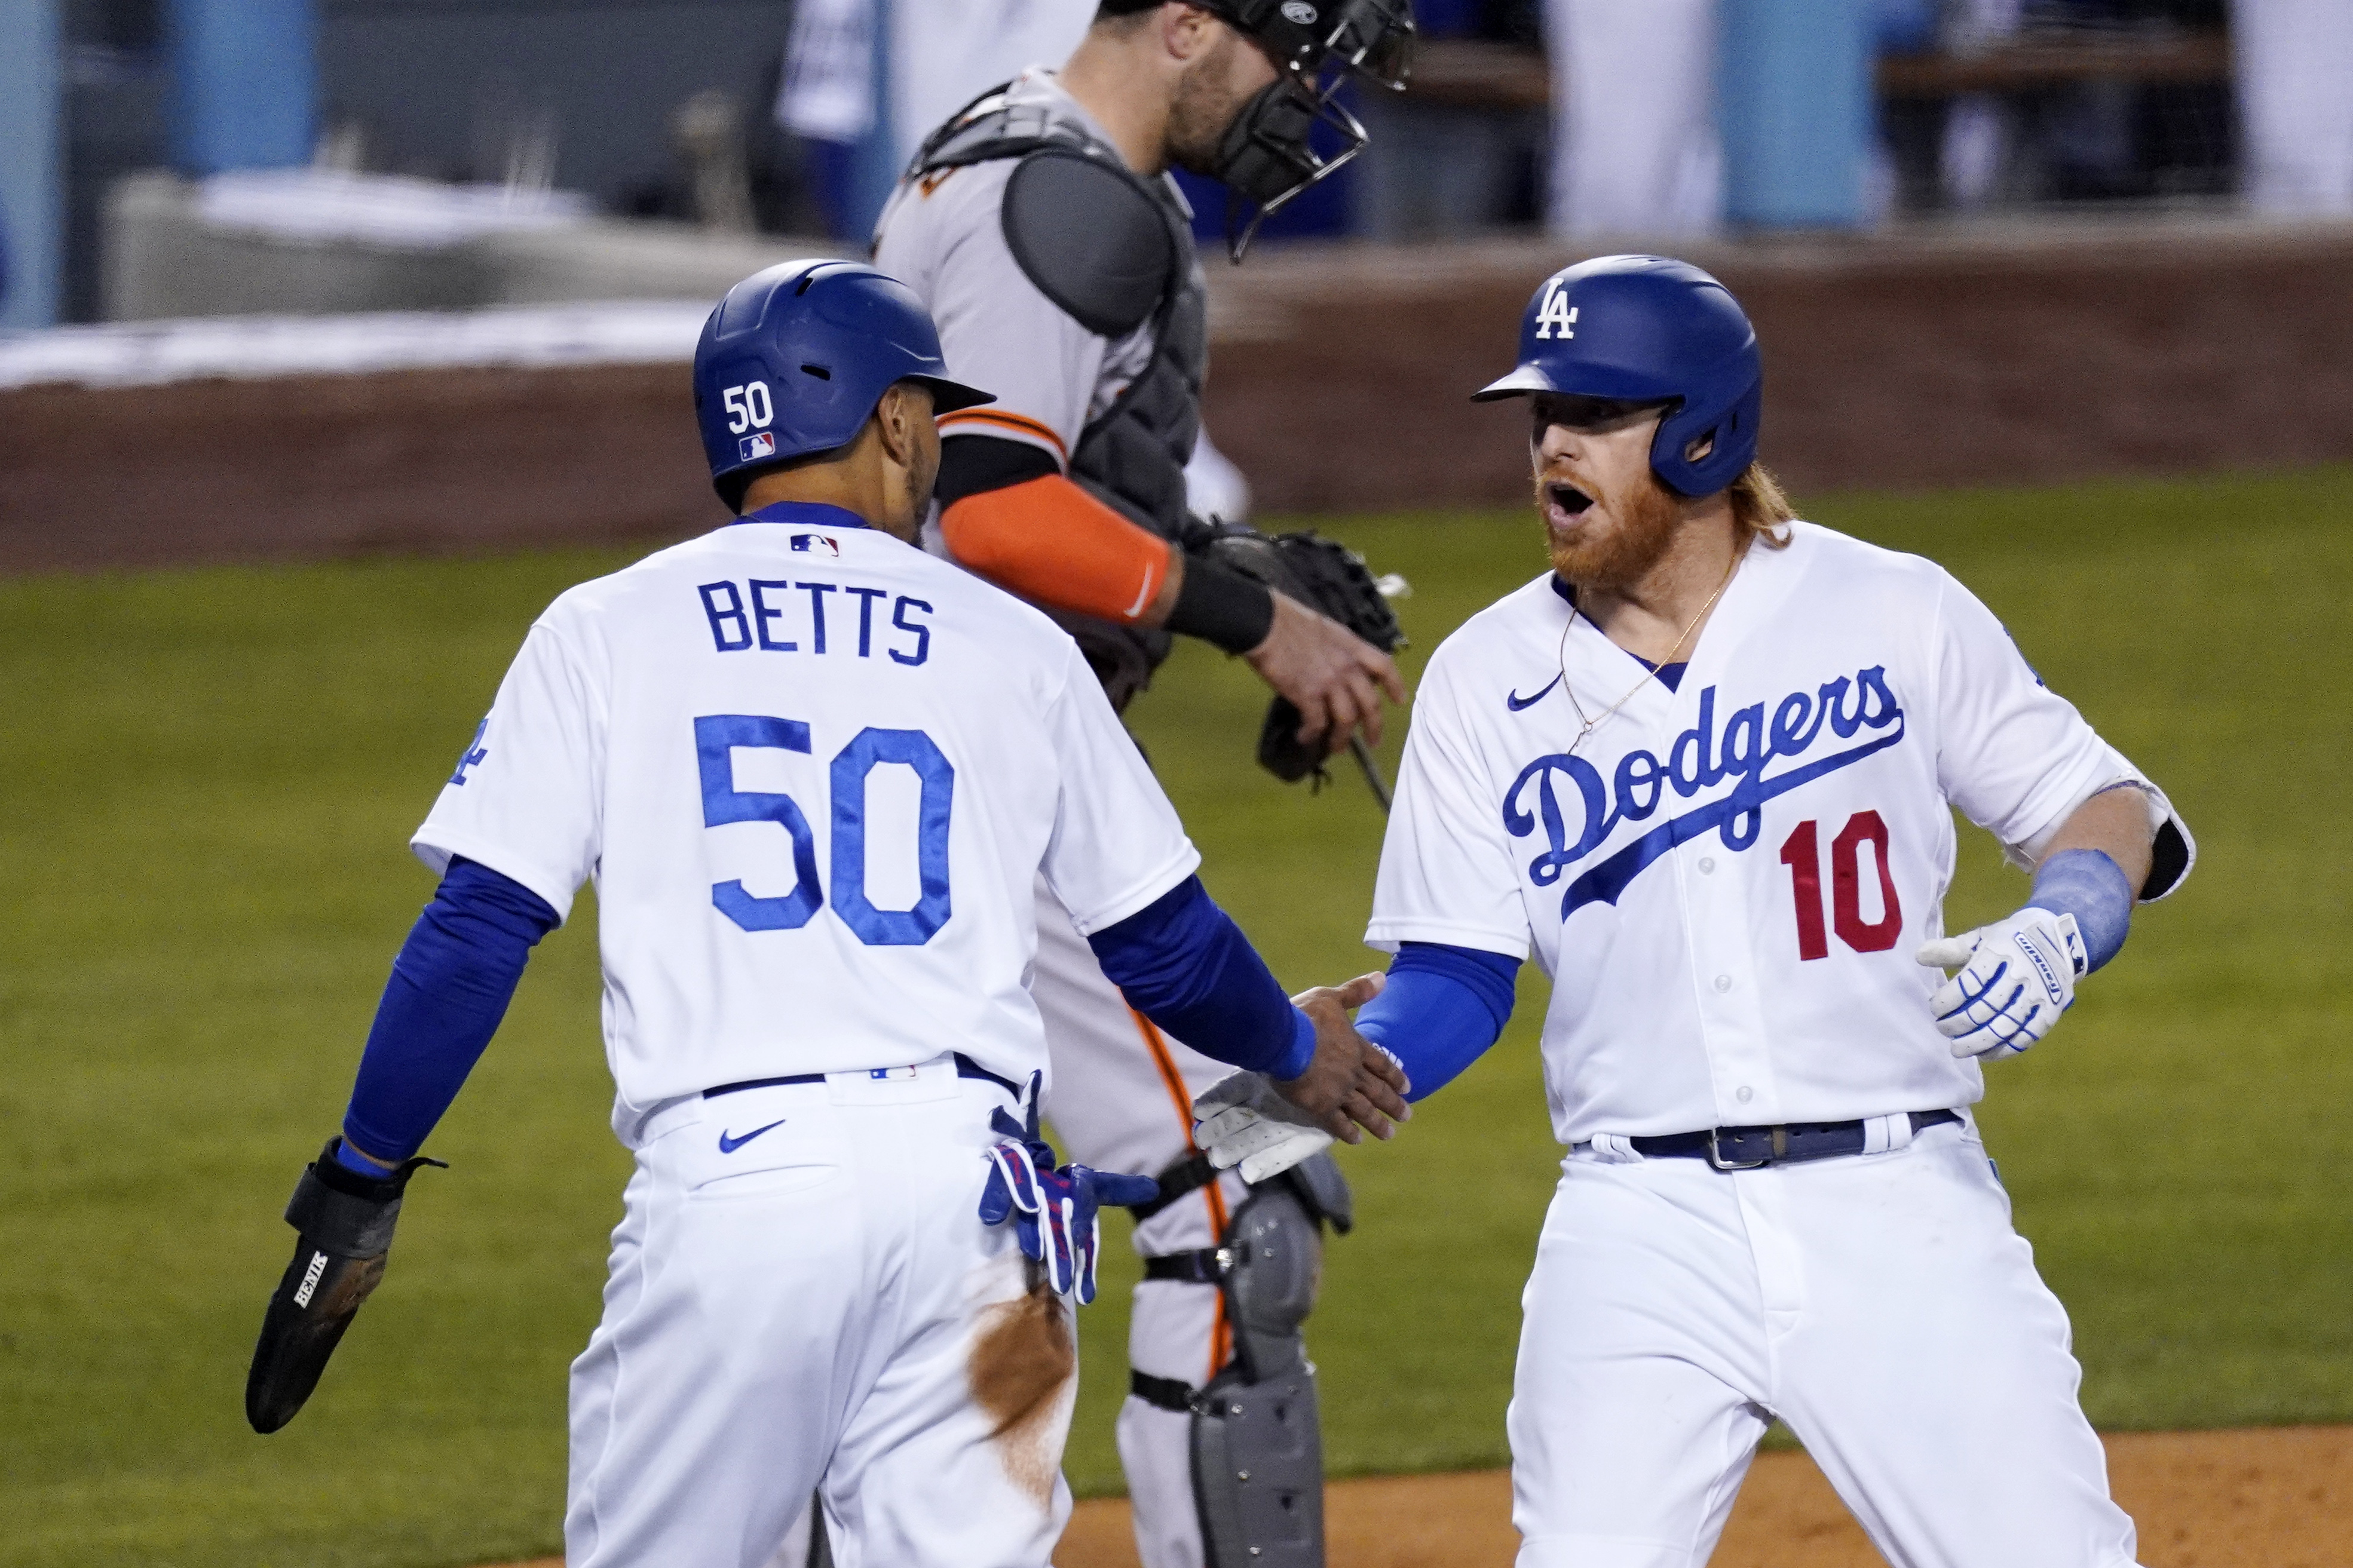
(1041,226)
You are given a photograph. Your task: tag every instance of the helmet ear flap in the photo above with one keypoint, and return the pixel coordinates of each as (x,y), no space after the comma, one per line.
(1732,429)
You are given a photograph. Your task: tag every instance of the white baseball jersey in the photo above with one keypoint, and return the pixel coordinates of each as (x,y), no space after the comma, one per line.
(944,237)
(814,774)
(1727,881)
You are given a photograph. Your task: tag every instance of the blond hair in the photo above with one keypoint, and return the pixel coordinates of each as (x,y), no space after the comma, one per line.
(1760,507)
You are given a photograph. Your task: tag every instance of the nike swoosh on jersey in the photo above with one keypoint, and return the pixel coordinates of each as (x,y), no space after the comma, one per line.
(1518,703)
(729,1145)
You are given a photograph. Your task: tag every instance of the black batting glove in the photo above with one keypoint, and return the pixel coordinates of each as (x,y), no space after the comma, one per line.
(345,1223)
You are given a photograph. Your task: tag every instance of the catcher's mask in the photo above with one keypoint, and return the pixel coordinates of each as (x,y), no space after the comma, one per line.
(1268,158)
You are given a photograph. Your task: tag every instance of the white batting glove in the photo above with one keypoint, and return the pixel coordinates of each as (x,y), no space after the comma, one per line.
(1243,1121)
(2016,977)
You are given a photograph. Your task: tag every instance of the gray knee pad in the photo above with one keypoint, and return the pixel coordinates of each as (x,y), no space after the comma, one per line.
(1258,1446)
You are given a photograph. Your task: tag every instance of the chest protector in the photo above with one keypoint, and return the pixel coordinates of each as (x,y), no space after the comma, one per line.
(1115,251)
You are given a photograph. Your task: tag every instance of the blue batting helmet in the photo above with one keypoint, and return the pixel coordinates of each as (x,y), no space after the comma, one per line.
(794,359)
(1648,329)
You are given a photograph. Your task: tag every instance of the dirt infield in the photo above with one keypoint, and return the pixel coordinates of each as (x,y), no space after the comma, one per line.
(1339,383)
(2265,1497)
(2260,1499)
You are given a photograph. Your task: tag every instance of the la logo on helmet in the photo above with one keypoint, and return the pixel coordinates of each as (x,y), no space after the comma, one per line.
(1557,313)
(1300,12)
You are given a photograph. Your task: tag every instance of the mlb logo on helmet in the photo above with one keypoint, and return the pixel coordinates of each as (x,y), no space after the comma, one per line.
(762,444)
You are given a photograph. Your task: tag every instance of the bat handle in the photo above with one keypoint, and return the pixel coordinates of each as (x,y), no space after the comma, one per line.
(1372,769)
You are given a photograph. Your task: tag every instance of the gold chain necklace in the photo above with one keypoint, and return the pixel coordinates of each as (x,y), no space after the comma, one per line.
(1649,674)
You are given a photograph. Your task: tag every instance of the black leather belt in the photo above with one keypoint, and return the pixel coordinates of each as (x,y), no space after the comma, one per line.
(965,1067)
(1752,1148)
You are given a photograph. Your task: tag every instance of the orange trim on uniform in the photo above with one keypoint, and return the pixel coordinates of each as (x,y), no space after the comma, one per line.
(1049,541)
(1222,1332)
(1221,1335)
(1171,1079)
(1006,420)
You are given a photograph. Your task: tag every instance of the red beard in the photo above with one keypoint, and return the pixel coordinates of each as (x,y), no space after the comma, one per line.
(1647,523)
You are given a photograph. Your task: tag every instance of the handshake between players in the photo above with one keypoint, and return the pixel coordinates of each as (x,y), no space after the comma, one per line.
(1264,1123)
(1266,1126)
(1351,1087)
(832,1043)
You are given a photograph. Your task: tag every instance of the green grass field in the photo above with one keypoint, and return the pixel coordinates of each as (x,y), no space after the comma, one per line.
(210,776)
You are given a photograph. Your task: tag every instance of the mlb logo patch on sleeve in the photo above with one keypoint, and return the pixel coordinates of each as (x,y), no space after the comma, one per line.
(760,444)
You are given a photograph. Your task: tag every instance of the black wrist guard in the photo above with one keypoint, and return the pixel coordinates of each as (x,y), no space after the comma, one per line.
(1221,606)
(345,1223)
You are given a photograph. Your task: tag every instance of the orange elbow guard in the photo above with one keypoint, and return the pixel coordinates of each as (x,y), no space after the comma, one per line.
(1049,541)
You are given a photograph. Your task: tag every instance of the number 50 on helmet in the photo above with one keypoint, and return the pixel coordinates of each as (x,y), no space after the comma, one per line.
(793,361)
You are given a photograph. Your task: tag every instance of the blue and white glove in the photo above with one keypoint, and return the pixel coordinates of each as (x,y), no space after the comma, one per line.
(1054,1212)
(2016,977)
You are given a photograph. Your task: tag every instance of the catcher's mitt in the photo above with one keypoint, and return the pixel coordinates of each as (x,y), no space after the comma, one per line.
(1323,574)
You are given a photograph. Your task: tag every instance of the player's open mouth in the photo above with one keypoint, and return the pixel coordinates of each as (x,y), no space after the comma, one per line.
(1565,502)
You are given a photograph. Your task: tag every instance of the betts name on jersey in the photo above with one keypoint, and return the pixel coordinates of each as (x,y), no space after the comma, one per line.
(814,774)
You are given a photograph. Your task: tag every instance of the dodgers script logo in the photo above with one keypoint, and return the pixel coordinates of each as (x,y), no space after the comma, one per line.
(1700,759)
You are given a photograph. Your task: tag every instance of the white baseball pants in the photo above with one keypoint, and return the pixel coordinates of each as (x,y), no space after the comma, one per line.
(1880,1304)
(801,1287)
(1122,1100)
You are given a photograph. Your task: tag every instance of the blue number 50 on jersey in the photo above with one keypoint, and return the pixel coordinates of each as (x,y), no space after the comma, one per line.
(716,735)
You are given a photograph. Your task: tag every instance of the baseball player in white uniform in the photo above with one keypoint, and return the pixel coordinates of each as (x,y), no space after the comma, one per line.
(1041,226)
(816,777)
(1704,770)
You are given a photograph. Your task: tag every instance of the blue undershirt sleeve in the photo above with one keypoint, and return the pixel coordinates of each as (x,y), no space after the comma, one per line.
(1441,1009)
(1182,963)
(449,988)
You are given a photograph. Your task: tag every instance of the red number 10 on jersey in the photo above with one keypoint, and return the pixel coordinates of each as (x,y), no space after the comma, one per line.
(1801,853)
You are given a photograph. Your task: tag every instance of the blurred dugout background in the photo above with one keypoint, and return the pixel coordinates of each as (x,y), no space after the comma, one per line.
(1984,240)
(1654,118)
